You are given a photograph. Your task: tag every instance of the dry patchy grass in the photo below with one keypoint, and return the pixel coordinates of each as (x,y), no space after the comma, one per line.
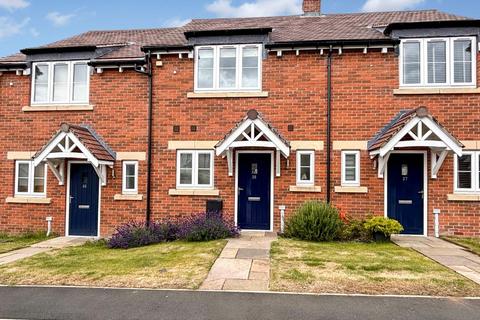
(165,265)
(369,268)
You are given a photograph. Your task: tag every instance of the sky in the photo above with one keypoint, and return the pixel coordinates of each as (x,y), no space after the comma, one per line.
(29,23)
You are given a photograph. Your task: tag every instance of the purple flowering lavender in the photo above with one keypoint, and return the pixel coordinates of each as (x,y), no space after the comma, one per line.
(206,227)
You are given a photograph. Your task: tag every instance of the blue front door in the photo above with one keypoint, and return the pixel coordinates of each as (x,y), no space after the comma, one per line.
(406,191)
(254,183)
(83,220)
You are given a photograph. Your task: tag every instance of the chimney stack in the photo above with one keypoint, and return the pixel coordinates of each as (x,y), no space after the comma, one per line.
(312,7)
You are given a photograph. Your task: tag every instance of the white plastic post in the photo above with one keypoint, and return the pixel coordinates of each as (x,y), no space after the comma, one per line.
(282,218)
(436,213)
(49,225)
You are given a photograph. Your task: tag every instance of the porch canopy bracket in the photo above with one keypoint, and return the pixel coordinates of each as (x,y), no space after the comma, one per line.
(75,143)
(414,129)
(253,132)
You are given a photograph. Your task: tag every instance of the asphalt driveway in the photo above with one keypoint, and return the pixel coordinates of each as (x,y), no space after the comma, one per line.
(83,303)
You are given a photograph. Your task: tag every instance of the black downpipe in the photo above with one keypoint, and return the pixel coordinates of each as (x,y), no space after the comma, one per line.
(150,123)
(329,121)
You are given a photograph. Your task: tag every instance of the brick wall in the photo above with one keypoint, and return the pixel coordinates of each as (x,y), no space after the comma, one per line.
(363,102)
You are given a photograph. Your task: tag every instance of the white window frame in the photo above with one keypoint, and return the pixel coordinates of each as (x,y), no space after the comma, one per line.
(195,154)
(239,68)
(449,67)
(124,177)
(356,182)
(474,175)
(51,65)
(311,181)
(31,174)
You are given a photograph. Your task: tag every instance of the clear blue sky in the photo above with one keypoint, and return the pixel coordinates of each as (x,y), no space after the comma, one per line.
(27,23)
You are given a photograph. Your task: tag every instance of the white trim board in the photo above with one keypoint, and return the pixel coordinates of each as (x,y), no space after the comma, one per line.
(271,185)
(425,187)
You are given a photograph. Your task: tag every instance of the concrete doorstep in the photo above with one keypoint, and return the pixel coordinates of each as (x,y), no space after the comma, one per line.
(243,265)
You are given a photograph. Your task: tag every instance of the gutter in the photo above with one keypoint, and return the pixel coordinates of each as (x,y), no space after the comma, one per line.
(331,43)
(149,73)
(28,51)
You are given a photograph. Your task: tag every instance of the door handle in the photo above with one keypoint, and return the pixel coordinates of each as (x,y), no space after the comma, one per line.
(421,192)
(71,199)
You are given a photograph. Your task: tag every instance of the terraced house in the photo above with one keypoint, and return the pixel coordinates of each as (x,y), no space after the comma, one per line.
(377,113)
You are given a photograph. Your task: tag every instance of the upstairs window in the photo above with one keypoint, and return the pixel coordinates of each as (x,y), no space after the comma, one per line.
(228,68)
(438,62)
(467,172)
(60,82)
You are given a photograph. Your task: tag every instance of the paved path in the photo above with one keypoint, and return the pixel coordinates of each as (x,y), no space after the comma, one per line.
(44,246)
(445,253)
(244,264)
(82,303)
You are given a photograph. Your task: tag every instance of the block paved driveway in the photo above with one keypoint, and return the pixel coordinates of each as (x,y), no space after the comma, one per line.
(448,254)
(244,264)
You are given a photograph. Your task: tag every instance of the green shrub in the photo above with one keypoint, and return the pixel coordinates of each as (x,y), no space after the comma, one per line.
(355,229)
(314,221)
(383,225)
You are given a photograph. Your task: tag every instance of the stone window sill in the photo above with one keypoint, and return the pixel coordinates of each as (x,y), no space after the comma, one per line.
(305,189)
(410,91)
(220,94)
(128,197)
(193,192)
(54,107)
(463,197)
(33,200)
(342,189)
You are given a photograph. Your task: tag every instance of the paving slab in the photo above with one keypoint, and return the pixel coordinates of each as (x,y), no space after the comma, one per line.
(260,266)
(229,253)
(253,253)
(259,275)
(448,254)
(230,269)
(246,285)
(212,284)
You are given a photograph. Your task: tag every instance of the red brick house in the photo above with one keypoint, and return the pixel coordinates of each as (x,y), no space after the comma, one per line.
(375,112)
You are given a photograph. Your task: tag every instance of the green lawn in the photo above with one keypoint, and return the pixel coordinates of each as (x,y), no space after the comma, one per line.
(10,242)
(473,244)
(164,265)
(370,268)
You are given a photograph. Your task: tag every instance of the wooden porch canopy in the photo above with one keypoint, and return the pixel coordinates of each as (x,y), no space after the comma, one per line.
(413,129)
(253,132)
(76,142)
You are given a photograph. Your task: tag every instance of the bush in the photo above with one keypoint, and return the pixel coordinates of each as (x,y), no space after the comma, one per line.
(314,221)
(383,225)
(354,229)
(206,227)
(137,234)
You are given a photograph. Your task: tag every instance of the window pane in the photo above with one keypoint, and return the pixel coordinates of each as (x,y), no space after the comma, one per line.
(437,61)
(185,176)
(80,80)
(464,169)
(41,83)
(305,160)
(186,160)
(411,62)
(204,160)
(228,67)
(22,185)
(462,57)
(40,171)
(60,82)
(203,176)
(205,68)
(23,170)
(130,169)
(350,174)
(305,173)
(250,68)
(38,185)
(130,182)
(350,160)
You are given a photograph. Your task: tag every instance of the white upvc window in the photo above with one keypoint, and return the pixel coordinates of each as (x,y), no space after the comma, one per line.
(228,68)
(438,62)
(467,172)
(351,168)
(130,177)
(62,82)
(194,169)
(305,168)
(29,180)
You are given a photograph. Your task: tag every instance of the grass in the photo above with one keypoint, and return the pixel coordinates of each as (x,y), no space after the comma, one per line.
(472,244)
(11,242)
(369,268)
(164,265)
